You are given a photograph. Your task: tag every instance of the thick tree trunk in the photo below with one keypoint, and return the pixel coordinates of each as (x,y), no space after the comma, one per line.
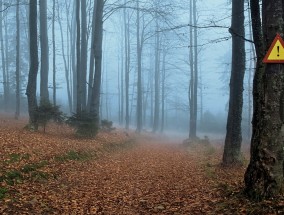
(17,114)
(44,95)
(264,175)
(98,39)
(32,79)
(233,139)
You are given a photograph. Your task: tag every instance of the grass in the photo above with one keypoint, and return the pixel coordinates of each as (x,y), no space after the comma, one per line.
(75,155)
(16,157)
(3,192)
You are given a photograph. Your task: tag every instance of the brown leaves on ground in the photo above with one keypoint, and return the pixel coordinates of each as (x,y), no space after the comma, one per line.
(59,174)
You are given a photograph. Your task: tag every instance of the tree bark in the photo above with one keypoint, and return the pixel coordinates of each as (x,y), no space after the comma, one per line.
(98,39)
(17,114)
(157,76)
(4,74)
(264,175)
(44,95)
(32,79)
(233,139)
(139,74)
(53,53)
(83,62)
(78,60)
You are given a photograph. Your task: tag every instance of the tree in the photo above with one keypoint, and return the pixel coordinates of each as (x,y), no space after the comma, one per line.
(3,58)
(32,79)
(233,139)
(17,114)
(98,38)
(44,95)
(264,175)
(157,73)
(53,52)
(193,62)
(78,60)
(139,72)
(83,63)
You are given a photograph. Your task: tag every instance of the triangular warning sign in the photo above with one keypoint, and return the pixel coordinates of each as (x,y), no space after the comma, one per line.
(275,53)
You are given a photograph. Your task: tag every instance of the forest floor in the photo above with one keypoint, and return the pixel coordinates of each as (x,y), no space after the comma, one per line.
(117,173)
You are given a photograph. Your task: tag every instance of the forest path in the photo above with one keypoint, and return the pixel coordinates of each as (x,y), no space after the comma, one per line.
(148,178)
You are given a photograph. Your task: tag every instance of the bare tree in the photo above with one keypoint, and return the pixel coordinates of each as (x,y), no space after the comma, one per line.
(44,95)
(17,114)
(32,79)
(233,139)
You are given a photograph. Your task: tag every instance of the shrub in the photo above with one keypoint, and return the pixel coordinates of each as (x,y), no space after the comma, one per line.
(84,124)
(106,125)
(47,112)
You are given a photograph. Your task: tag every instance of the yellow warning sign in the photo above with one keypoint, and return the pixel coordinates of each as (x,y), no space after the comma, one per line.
(275,53)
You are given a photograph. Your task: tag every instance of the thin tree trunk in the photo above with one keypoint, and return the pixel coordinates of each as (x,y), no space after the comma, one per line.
(53,53)
(7,63)
(163,90)
(157,78)
(92,56)
(78,60)
(66,65)
(194,10)
(17,114)
(83,61)
(192,133)
(127,65)
(5,81)
(139,74)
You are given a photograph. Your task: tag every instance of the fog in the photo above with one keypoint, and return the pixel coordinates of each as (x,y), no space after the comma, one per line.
(214,59)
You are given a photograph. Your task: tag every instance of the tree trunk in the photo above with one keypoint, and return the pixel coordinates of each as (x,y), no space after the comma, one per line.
(83,61)
(92,57)
(264,175)
(98,39)
(44,95)
(157,78)
(78,60)
(163,91)
(233,139)
(192,131)
(32,79)
(195,88)
(139,74)
(53,53)
(5,83)
(17,114)
(127,65)
(66,65)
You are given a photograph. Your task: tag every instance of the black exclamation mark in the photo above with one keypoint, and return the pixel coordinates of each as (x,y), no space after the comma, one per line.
(278,51)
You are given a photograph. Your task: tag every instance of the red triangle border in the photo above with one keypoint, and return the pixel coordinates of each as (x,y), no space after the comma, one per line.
(265,60)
